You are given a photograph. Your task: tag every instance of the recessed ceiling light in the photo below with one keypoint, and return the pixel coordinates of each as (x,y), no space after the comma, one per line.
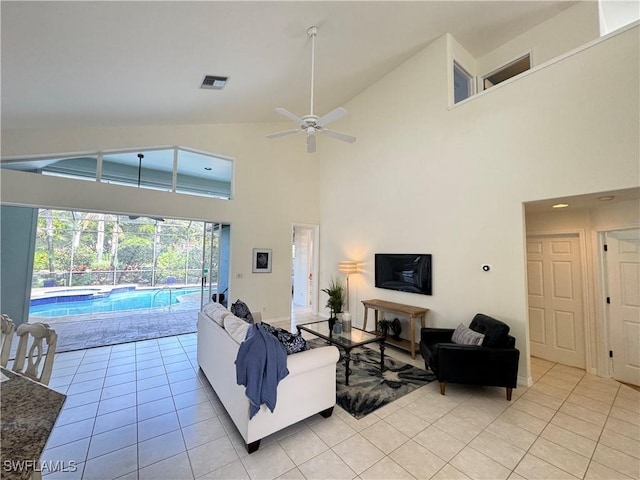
(560,205)
(214,82)
(606,198)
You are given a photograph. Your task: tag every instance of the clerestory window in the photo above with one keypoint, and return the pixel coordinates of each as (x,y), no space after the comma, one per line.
(173,169)
(506,72)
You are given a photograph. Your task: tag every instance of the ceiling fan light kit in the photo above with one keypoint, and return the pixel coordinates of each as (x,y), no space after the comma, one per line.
(312,124)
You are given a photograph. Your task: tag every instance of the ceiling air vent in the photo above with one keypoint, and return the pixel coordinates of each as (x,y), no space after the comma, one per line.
(216,83)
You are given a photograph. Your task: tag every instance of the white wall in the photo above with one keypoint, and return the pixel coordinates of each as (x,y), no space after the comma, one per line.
(275,186)
(16,257)
(617,14)
(619,214)
(451,182)
(571,28)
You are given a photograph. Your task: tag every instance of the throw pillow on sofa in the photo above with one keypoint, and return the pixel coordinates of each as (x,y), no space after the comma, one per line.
(465,336)
(293,343)
(241,310)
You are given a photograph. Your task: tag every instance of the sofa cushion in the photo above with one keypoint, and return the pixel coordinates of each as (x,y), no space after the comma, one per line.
(496,333)
(465,336)
(216,312)
(211,307)
(241,310)
(293,343)
(236,327)
(219,315)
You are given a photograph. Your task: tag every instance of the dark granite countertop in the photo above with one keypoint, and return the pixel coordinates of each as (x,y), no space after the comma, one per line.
(28,412)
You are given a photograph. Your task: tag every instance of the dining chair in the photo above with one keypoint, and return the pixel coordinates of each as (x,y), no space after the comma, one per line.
(6,328)
(35,355)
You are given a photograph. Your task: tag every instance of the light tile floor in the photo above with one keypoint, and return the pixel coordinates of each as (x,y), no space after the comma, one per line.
(143,411)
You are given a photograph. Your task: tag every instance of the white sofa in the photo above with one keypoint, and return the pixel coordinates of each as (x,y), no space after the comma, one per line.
(309,388)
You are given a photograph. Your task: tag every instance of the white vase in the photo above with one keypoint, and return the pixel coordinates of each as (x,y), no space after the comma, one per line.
(346,322)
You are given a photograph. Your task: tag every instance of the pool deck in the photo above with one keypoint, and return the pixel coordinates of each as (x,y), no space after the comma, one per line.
(87,331)
(93,330)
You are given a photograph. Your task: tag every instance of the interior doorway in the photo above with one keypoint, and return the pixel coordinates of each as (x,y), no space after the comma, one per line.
(621,274)
(594,218)
(304,267)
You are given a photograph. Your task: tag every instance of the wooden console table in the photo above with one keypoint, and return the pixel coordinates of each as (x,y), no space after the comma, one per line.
(398,309)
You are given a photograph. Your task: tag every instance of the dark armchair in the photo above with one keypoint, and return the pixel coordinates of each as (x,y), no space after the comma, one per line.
(493,363)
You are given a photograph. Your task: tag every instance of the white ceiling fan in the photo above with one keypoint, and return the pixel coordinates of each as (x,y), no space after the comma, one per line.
(312,124)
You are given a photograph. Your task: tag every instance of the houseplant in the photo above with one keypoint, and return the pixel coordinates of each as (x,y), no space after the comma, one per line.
(383,326)
(336,293)
(393,326)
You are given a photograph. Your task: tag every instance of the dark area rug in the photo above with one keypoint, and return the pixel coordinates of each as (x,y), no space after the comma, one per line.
(369,389)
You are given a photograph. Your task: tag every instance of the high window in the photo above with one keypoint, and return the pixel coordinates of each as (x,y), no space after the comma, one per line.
(172,169)
(462,83)
(506,72)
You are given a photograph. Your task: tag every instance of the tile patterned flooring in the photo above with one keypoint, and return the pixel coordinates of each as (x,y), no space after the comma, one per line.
(143,411)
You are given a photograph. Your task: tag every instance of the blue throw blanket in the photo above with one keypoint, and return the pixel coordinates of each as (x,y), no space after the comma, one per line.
(260,365)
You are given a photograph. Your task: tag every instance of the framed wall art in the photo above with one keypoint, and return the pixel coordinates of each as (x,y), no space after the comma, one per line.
(261,260)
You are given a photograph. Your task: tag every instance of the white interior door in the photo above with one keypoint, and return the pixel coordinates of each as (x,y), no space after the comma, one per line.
(302,266)
(556,319)
(622,259)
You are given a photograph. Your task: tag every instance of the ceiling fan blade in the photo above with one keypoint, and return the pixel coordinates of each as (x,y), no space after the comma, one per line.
(281,134)
(311,143)
(332,116)
(338,135)
(288,114)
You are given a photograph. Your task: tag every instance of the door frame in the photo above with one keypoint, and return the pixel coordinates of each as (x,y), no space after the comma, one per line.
(315,262)
(604,363)
(590,329)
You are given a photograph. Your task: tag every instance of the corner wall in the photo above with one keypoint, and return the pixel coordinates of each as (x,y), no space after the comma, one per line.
(571,28)
(18,239)
(423,178)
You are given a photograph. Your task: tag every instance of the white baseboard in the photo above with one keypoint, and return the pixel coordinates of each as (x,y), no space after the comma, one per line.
(525,381)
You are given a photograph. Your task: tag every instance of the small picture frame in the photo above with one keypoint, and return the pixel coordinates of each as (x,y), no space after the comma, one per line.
(261,260)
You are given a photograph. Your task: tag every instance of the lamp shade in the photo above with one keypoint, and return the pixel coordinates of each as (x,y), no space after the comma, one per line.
(348,267)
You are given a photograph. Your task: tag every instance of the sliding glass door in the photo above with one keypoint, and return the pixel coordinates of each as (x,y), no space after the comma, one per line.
(215,263)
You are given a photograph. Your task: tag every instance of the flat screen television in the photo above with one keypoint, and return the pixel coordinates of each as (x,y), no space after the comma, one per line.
(404,272)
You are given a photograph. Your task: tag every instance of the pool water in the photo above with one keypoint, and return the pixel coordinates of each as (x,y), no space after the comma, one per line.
(114,302)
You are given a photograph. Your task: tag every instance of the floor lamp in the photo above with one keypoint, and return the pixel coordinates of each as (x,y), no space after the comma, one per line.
(348,267)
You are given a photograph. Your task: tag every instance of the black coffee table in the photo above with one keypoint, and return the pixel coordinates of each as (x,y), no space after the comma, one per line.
(345,340)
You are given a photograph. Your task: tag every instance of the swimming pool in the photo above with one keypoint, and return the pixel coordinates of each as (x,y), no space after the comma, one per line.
(87,302)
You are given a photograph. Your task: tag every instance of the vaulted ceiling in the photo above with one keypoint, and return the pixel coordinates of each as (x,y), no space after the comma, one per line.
(67,64)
